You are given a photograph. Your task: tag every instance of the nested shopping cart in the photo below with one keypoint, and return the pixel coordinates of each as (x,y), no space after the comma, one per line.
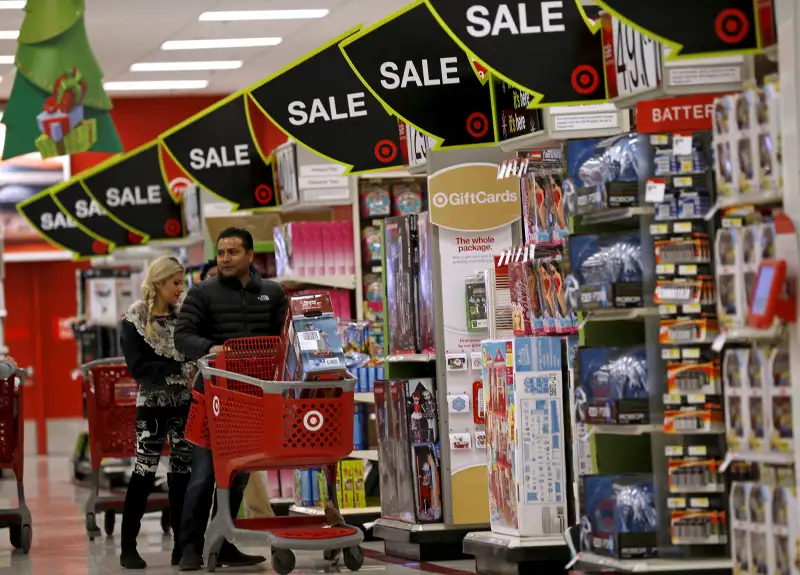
(12,453)
(111,410)
(258,423)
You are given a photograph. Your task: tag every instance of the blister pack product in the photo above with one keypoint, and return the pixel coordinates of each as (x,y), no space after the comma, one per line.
(406,198)
(536,209)
(376,200)
(613,385)
(747,141)
(770,138)
(731,303)
(736,384)
(372,248)
(759,512)
(620,516)
(608,270)
(401,283)
(726,162)
(426,309)
(758,399)
(780,400)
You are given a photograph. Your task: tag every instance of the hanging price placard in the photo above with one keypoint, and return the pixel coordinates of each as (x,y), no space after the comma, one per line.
(632,60)
(693,28)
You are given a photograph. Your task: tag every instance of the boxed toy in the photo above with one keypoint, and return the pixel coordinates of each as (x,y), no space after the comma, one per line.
(769,138)
(759,514)
(313,347)
(620,516)
(376,200)
(780,400)
(607,269)
(425,308)
(402,283)
(758,399)
(613,385)
(786,552)
(406,198)
(737,390)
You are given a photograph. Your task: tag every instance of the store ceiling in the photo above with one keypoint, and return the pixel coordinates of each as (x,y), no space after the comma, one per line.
(124,32)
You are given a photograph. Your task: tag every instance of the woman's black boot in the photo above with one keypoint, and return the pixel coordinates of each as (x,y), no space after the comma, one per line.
(135,506)
(177,492)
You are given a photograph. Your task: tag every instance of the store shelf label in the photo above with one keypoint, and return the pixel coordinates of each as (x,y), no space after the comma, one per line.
(691,353)
(665,269)
(698,450)
(692,308)
(659,229)
(671,353)
(682,181)
(673,450)
(654,191)
(687,270)
(682,227)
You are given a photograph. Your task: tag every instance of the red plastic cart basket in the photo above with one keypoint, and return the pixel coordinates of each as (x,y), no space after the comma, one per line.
(12,453)
(111,410)
(256,423)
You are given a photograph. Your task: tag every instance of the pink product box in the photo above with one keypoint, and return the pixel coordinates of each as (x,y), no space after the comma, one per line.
(297,265)
(316,249)
(329,247)
(280,483)
(349,256)
(340,248)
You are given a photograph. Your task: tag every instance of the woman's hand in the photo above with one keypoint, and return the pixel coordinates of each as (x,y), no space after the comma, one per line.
(215,349)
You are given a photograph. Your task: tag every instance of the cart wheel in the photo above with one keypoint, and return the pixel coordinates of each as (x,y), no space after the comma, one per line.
(353,558)
(283,561)
(109,519)
(212,563)
(26,538)
(15,535)
(332,556)
(91,527)
(165,521)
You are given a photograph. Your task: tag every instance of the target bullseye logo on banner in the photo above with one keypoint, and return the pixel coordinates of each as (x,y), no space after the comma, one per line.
(313,420)
(179,185)
(215,405)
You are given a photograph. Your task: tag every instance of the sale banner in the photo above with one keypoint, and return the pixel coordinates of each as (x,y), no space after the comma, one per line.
(551,49)
(133,191)
(58,228)
(696,29)
(320,102)
(424,78)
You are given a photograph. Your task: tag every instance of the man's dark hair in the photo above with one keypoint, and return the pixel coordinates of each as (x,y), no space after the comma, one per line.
(207,267)
(244,235)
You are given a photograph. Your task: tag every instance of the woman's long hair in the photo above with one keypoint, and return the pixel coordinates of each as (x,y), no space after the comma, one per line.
(160,270)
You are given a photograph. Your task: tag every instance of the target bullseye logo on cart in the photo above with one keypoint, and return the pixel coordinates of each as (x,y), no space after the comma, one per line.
(313,420)
(215,405)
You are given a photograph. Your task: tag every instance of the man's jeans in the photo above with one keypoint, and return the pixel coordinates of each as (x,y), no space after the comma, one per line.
(199,494)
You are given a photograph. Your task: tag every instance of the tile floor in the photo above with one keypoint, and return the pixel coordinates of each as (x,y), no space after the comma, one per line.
(60,545)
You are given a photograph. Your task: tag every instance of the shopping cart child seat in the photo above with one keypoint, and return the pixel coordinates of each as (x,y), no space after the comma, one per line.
(255,423)
(111,412)
(12,453)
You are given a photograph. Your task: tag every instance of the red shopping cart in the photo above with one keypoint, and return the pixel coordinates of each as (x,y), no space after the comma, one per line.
(257,423)
(12,453)
(111,410)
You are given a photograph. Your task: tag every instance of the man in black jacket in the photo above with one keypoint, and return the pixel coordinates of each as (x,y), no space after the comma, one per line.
(237,303)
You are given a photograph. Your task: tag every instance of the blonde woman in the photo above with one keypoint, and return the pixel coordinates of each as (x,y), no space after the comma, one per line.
(162,405)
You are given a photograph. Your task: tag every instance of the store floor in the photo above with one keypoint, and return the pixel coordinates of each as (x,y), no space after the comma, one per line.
(60,545)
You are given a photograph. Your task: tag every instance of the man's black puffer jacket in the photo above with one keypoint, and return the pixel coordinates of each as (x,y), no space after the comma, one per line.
(219,309)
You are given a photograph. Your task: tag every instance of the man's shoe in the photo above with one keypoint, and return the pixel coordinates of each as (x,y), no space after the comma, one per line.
(230,556)
(190,560)
(177,554)
(130,559)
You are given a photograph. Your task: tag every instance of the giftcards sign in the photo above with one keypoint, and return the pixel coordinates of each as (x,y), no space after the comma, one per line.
(545,47)
(321,103)
(219,150)
(424,77)
(469,197)
(133,191)
(58,227)
(693,28)
(75,201)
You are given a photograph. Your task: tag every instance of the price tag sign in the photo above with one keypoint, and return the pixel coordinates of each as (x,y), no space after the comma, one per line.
(682,144)
(637,60)
(665,269)
(659,229)
(692,308)
(659,139)
(691,353)
(687,270)
(682,182)
(682,227)
(654,191)
(698,450)
(674,450)
(671,353)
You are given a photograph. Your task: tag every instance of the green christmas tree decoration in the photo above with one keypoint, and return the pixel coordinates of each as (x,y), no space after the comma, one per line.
(57,104)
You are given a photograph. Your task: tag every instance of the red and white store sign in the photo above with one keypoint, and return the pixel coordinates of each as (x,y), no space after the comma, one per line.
(680,114)
(632,60)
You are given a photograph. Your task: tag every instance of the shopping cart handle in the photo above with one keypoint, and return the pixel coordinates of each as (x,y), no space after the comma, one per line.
(86,367)
(276,387)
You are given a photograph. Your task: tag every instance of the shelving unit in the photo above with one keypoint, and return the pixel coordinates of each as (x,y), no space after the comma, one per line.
(586,561)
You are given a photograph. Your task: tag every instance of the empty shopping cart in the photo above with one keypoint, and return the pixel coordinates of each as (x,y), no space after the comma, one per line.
(111,410)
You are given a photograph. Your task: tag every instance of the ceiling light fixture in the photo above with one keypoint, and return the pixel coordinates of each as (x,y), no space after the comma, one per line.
(9,34)
(12,4)
(186,66)
(155,85)
(242,15)
(7,59)
(214,43)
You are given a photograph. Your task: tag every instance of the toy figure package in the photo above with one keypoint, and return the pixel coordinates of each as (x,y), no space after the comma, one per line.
(426,296)
(620,516)
(376,201)
(423,432)
(401,283)
(477,319)
(406,198)
(610,175)
(314,348)
(537,214)
(607,270)
(613,386)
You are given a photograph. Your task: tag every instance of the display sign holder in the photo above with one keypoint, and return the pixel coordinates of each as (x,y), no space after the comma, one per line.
(564,123)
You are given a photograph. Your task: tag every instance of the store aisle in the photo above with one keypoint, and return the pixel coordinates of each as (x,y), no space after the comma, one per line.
(60,545)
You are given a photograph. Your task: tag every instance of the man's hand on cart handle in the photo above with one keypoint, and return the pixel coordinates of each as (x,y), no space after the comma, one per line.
(215,349)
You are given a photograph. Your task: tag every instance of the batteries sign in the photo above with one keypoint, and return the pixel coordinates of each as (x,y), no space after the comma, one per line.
(57,227)
(561,46)
(425,77)
(690,28)
(133,191)
(321,103)
(219,149)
